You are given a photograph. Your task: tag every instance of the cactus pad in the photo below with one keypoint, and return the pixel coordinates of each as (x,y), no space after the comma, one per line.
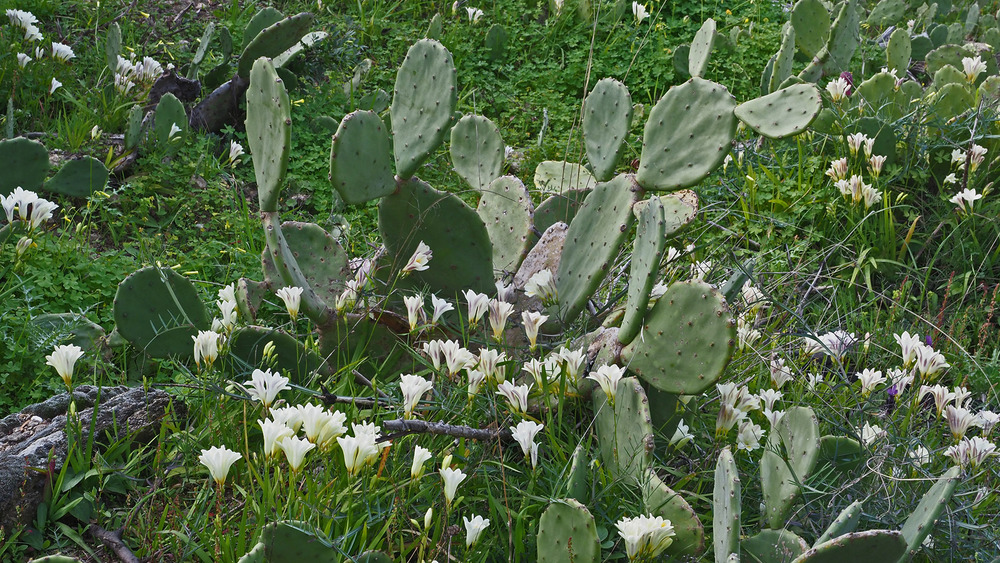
(701,49)
(897,52)
(887,12)
(686,341)
(772,546)
(650,242)
(567,534)
(661,500)
(812,26)
(921,522)
(274,40)
(625,431)
(845,523)
(506,209)
(592,243)
(578,483)
(246,353)
(360,158)
(873,545)
(463,253)
(783,59)
(781,477)
(79,178)
(477,151)
(266,17)
(559,207)
(423,102)
(840,452)
(318,256)
(607,116)
(169,112)
(784,113)
(289,542)
(951,100)
(269,132)
(726,507)
(687,136)
(556,176)
(25,165)
(843,38)
(249,296)
(158,311)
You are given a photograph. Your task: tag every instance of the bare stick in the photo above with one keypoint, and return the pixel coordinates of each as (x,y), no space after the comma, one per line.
(401,427)
(114,541)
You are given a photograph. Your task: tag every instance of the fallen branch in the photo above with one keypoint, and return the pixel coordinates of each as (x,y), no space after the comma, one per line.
(114,541)
(401,427)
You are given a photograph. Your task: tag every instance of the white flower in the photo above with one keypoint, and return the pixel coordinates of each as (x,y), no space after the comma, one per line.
(920,455)
(855,142)
(770,397)
(476,379)
(30,208)
(536,368)
(218,461)
(499,312)
(420,457)
(358,451)
(834,344)
(608,377)
(959,420)
(292,297)
(123,84)
(63,358)
(452,479)
(908,344)
(23,244)
(869,380)
(870,195)
(532,321)
(441,306)
(23,60)
(517,395)
(418,261)
(682,435)
(414,310)
(951,179)
(489,363)
(478,305)
(474,14)
(295,451)
(505,292)
(869,145)
(55,85)
(639,11)
(574,360)
(32,33)
(773,417)
(875,164)
(838,89)
(987,420)
(870,433)
(20,18)
(749,436)
(229,313)
(961,395)
(456,358)
(313,418)
(973,67)
(971,452)
(746,334)
(206,347)
(332,426)
(543,286)
(967,196)
(780,374)
(235,151)
(174,133)
(473,528)
(62,52)
(728,417)
(413,387)
(930,361)
(645,536)
(978,154)
(838,169)
(525,433)
(900,379)
(942,396)
(274,433)
(264,386)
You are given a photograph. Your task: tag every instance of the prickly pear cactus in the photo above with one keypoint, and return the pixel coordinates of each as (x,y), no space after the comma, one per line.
(726,507)
(505,207)
(578,483)
(781,476)
(169,112)
(158,311)
(624,431)
(423,102)
(269,132)
(661,500)
(783,59)
(783,113)
(246,352)
(477,151)
(558,177)
(650,241)
(921,522)
(290,541)
(274,40)
(845,523)
(592,243)
(811,21)
(772,546)
(25,164)
(79,178)
(463,252)
(701,49)
(873,545)
(897,52)
(361,158)
(559,207)
(687,136)
(283,257)
(607,115)
(567,534)
(265,17)
(687,339)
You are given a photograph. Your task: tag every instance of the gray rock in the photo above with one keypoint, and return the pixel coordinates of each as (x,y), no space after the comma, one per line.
(30,438)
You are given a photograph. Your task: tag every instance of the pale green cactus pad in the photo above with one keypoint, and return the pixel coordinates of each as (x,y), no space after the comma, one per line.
(873,545)
(269,132)
(624,430)
(772,546)
(726,511)
(607,115)
(567,534)
(25,164)
(781,476)
(650,241)
(361,158)
(477,151)
(159,312)
(784,113)
(661,500)
(505,207)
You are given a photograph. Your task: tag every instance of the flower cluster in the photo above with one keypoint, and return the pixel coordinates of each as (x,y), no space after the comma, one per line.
(645,536)
(26,208)
(130,73)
